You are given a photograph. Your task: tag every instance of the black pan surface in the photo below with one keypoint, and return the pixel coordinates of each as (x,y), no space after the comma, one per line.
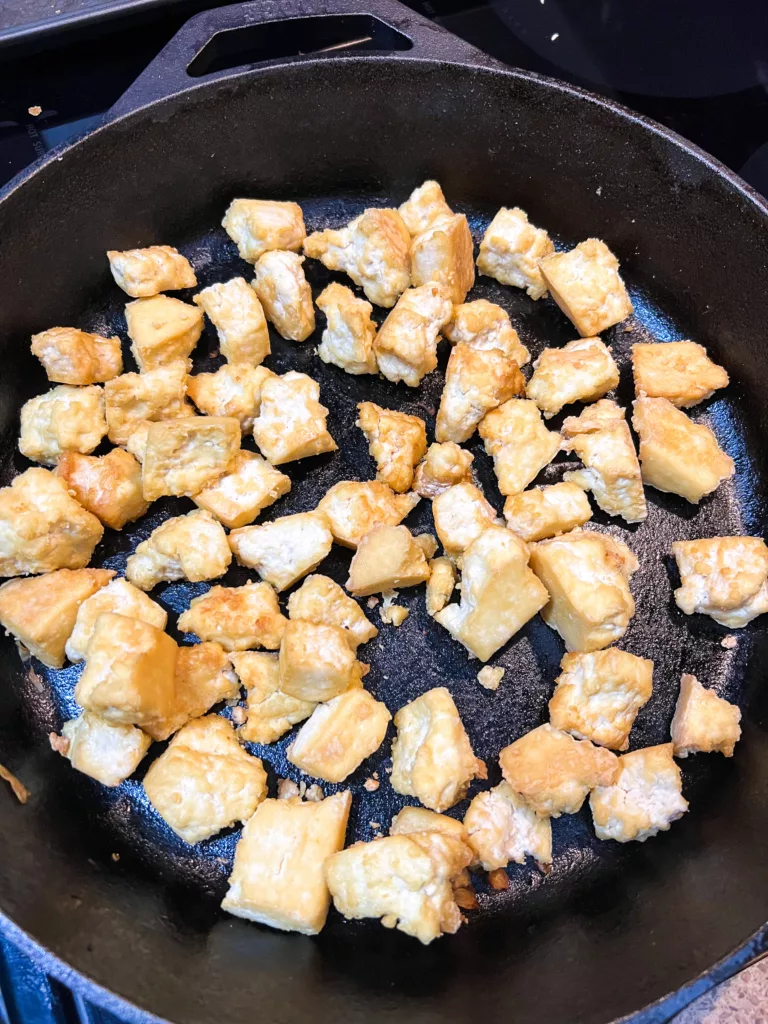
(93,874)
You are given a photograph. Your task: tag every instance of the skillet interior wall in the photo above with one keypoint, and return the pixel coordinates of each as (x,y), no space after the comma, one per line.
(350,130)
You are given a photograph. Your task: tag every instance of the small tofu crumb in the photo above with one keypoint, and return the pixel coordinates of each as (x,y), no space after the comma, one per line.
(239,715)
(394,614)
(286,789)
(371,785)
(489,677)
(20,791)
(498,879)
(372,601)
(729,642)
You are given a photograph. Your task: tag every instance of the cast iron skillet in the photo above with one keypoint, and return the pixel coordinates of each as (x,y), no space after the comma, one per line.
(612,928)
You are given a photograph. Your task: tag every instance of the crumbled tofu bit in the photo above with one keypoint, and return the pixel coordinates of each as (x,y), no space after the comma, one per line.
(278,878)
(371,785)
(236,617)
(431,757)
(129,671)
(373,249)
(285,549)
(723,577)
(135,397)
(511,250)
(192,547)
(204,677)
(18,788)
(676,454)
(354,508)
(286,789)
(239,716)
(502,827)
(185,456)
(581,371)
(250,485)
(391,613)
(499,880)
(644,800)
(461,514)
(235,311)
(442,253)
(270,712)
(554,772)
(142,273)
(291,420)
(601,438)
(587,576)
(321,600)
(339,735)
(483,325)
(316,662)
(42,527)
(259,225)
(499,593)
(406,345)
(386,558)
(347,340)
(586,285)
(680,371)
(372,602)
(490,678)
(444,465)
(117,596)
(729,643)
(233,390)
(440,585)
(406,880)
(284,292)
(108,486)
(41,611)
(475,382)
(547,511)
(205,781)
(163,330)
(703,722)
(106,751)
(597,696)
(396,441)
(521,446)
(64,419)
(424,206)
(428,544)
(314,793)
(70,356)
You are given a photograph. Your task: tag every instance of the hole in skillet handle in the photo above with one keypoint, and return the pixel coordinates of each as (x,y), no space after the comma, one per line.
(275,40)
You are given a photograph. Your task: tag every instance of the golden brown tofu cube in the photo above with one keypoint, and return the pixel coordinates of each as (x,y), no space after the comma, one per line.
(644,800)
(424,206)
(291,420)
(431,757)
(475,383)
(284,550)
(483,325)
(185,456)
(347,340)
(512,249)
(142,273)
(597,696)
(521,446)
(235,311)
(440,585)
(677,455)
(233,390)
(554,772)
(65,419)
(278,877)
(587,577)
(203,677)
(117,596)
(192,547)
(316,661)
(236,617)
(106,751)
(387,558)
(205,781)
(109,486)
(586,285)
(321,600)
(703,722)
(723,577)
(547,511)
(129,671)
(42,527)
(461,514)
(270,712)
(70,356)
(259,225)
(354,508)
(162,330)
(41,612)
(501,827)
(680,371)
(250,485)
(396,441)
(155,395)
(443,466)
(442,252)
(285,294)
(406,345)
(581,371)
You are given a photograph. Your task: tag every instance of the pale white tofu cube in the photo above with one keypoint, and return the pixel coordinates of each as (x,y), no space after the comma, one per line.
(704,722)
(184,456)
(475,382)
(410,819)
(291,421)
(723,577)
(511,250)
(155,395)
(233,390)
(521,446)
(285,549)
(118,596)
(461,514)
(354,508)
(162,330)
(142,273)
(586,285)
(387,558)
(581,371)
(443,253)
(406,345)
(270,712)
(501,827)
(483,325)
(443,466)
(546,511)
(235,311)
(259,225)
(192,547)
(423,207)
(249,485)
(680,371)
(65,419)
(316,661)
(104,750)
(284,292)
(70,356)
(396,441)
(347,340)
(319,599)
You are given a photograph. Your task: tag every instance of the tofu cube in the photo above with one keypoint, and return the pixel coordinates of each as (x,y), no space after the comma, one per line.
(443,466)
(483,325)
(285,294)
(440,585)
(461,515)
(41,612)
(185,456)
(270,712)
(410,819)
(109,486)
(142,273)
(512,249)
(192,547)
(587,576)
(644,800)
(443,253)
(424,206)
(680,371)
(387,558)
(65,419)
(118,596)
(396,441)
(233,390)
(547,511)
(406,344)
(432,758)
(723,577)
(316,661)
(586,285)
(250,485)
(259,225)
(501,827)
(291,421)
(321,600)
(703,722)
(521,446)
(278,877)
(42,527)
(597,696)
(203,677)
(347,340)
(235,311)
(205,781)
(284,550)
(677,455)
(553,772)
(70,356)
(236,617)
(581,371)
(155,395)
(106,751)
(475,382)
(354,508)
(162,330)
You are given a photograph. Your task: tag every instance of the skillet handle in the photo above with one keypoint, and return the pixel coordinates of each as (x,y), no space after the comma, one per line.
(384,26)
